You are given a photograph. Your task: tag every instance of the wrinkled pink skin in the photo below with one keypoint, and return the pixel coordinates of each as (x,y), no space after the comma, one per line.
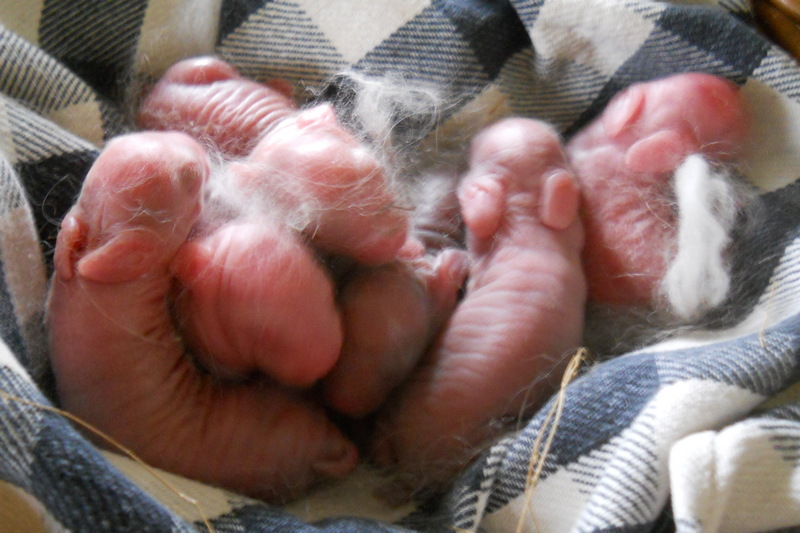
(393,312)
(290,163)
(242,283)
(253,298)
(274,288)
(522,314)
(520,319)
(309,156)
(625,160)
(204,96)
(208,100)
(120,363)
(391,315)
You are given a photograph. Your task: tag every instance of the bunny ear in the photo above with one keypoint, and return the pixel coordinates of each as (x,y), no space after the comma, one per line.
(125,257)
(70,243)
(662,151)
(623,110)
(560,200)
(483,203)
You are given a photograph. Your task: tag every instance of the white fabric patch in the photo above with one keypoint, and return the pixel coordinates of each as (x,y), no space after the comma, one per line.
(572,30)
(281,38)
(375,21)
(174,30)
(84,120)
(353,495)
(727,480)
(26,280)
(579,494)
(213,502)
(23,18)
(774,158)
(7,150)
(551,509)
(9,360)
(24,267)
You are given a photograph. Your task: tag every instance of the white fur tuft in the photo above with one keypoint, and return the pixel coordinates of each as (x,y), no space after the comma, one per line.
(698,277)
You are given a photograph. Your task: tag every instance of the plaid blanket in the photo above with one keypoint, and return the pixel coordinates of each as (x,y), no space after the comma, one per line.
(700,432)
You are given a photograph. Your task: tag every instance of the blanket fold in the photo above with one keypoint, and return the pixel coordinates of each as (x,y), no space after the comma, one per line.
(675,435)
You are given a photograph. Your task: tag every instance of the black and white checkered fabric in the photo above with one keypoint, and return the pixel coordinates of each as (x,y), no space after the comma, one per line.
(697,433)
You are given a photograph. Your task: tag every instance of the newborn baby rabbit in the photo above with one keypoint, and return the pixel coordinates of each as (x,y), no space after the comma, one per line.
(189,327)
(253,302)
